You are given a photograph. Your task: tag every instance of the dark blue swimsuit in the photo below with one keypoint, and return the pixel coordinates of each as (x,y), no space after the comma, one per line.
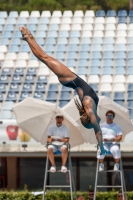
(87,90)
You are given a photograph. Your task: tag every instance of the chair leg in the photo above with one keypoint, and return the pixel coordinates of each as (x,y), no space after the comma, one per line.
(45,177)
(71,170)
(96,178)
(123,181)
(70,179)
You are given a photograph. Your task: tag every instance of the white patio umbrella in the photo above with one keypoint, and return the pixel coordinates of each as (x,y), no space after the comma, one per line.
(122,117)
(128,138)
(34,117)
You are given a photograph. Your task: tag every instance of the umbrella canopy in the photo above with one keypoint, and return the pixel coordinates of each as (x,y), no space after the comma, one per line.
(34,117)
(122,117)
(128,138)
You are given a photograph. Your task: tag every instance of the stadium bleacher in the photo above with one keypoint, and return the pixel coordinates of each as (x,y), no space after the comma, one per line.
(98,47)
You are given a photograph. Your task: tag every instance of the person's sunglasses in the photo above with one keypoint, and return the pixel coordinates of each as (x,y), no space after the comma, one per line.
(120,195)
(110,116)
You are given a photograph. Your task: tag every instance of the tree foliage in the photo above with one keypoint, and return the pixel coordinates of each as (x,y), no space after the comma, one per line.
(19,5)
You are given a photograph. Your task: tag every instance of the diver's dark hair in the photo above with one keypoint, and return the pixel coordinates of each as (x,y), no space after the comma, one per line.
(79,106)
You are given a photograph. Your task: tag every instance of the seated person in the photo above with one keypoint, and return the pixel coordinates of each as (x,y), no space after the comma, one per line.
(112,135)
(81,197)
(58,134)
(119,196)
(91,194)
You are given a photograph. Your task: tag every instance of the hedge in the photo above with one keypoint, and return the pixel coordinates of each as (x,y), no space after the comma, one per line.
(58,195)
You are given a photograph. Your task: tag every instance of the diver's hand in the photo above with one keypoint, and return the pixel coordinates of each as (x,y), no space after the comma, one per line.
(26,34)
(102,151)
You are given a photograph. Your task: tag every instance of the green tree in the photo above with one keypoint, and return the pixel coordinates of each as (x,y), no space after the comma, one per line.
(43,5)
(117,4)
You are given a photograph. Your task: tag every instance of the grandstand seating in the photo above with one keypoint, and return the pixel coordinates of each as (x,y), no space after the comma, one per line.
(98,47)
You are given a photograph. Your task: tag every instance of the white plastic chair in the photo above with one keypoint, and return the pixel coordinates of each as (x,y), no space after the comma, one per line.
(24,14)
(88,20)
(11,21)
(42,65)
(35,14)
(111,20)
(43,71)
(46,13)
(87,27)
(57,13)
(65,27)
(93,79)
(108,47)
(33,63)
(2,21)
(83,77)
(23,56)
(99,20)
(105,87)
(97,47)
(9,63)
(119,87)
(78,13)
(121,34)
(74,41)
(56,20)
(89,13)
(98,34)
(119,79)
(66,20)
(121,40)
(110,27)
(130,79)
(120,47)
(99,27)
(11,56)
(72,69)
(62,41)
(130,27)
(77,20)
(109,34)
(67,13)
(86,34)
(130,34)
(77,27)
(7,105)
(122,27)
(3,48)
(53,79)
(5,114)
(21,63)
(106,79)
(2,57)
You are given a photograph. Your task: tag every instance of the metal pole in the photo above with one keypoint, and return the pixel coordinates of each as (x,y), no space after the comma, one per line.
(45,178)
(70,179)
(71,170)
(95,189)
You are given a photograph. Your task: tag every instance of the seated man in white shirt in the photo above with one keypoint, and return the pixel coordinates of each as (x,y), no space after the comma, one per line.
(58,134)
(112,135)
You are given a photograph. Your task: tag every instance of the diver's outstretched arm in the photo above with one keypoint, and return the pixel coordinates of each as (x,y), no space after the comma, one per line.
(98,133)
(63,73)
(90,107)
